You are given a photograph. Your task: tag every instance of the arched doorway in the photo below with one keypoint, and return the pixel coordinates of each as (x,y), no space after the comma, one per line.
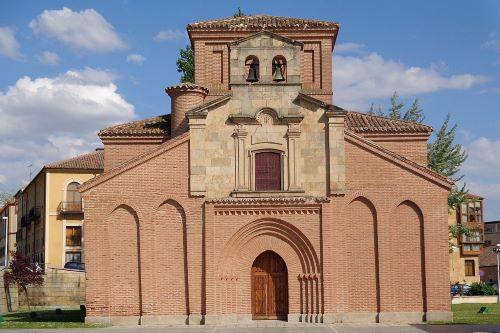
(269,287)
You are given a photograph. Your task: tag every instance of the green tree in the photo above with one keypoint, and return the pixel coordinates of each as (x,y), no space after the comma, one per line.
(415,113)
(239,13)
(185,64)
(376,111)
(396,106)
(5,197)
(446,157)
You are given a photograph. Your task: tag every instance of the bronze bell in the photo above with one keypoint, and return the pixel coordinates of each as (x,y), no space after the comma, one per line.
(252,74)
(278,74)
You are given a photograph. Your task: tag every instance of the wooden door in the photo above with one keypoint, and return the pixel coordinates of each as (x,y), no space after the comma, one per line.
(268,171)
(269,287)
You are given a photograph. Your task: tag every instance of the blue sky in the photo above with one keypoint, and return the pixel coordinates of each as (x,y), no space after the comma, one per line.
(71,68)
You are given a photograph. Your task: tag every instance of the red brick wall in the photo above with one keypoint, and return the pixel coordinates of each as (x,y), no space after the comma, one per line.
(169,224)
(118,153)
(387,186)
(361,230)
(415,150)
(391,226)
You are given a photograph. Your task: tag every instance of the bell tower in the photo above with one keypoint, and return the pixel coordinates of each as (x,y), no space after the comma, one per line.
(214,60)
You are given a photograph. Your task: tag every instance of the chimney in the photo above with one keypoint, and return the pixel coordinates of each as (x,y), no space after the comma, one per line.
(184,97)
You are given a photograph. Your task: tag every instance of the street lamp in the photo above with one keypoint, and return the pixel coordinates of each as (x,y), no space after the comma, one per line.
(5,218)
(497,251)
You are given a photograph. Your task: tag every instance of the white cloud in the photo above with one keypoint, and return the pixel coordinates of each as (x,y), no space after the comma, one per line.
(169,35)
(85,30)
(493,42)
(9,47)
(349,47)
(484,158)
(50,118)
(136,58)
(359,80)
(48,58)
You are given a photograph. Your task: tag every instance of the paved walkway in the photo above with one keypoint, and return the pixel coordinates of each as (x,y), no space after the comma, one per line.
(379,328)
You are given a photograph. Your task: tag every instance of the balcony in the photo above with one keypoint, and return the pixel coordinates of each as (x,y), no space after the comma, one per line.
(35,213)
(472,244)
(70,207)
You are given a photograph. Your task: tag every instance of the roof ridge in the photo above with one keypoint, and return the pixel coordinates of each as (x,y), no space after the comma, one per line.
(388,118)
(114,130)
(74,158)
(261,20)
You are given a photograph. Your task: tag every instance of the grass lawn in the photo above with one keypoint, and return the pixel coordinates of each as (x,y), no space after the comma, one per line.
(468,314)
(46,319)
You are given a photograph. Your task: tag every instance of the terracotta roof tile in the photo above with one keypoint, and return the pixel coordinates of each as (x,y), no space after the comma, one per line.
(358,122)
(364,123)
(89,161)
(155,126)
(259,22)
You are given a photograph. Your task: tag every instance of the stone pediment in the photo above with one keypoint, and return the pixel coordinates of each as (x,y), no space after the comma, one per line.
(270,39)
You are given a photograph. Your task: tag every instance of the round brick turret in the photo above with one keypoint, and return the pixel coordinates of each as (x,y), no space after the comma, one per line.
(184,97)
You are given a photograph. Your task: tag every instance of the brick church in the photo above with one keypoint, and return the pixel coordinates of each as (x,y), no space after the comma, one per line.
(257,198)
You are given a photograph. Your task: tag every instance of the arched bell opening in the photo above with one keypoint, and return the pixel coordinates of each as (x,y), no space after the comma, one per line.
(269,287)
(252,69)
(279,69)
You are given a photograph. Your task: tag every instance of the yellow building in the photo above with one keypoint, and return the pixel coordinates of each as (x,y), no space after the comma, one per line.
(464,252)
(50,211)
(8,228)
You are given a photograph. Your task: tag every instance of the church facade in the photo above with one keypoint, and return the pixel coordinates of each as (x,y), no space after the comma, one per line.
(257,198)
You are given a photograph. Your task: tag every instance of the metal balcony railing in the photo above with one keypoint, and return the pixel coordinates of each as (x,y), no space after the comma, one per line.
(73,207)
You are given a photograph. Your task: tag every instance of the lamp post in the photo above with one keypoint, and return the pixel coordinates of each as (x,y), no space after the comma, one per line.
(6,220)
(497,251)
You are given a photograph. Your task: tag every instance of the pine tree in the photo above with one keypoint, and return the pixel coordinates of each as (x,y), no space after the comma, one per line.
(396,106)
(445,157)
(239,13)
(415,113)
(185,64)
(376,111)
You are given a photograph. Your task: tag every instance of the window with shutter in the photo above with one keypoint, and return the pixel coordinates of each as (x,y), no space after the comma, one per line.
(268,171)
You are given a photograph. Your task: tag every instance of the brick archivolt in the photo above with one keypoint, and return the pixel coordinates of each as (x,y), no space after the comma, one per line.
(282,232)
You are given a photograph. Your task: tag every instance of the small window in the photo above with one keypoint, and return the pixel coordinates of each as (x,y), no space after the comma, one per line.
(252,69)
(73,256)
(74,236)
(470,269)
(279,69)
(268,171)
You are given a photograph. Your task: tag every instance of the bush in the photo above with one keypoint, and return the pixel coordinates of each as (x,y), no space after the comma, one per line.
(481,289)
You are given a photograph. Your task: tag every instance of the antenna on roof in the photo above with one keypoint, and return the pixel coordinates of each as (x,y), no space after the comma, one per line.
(30,168)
